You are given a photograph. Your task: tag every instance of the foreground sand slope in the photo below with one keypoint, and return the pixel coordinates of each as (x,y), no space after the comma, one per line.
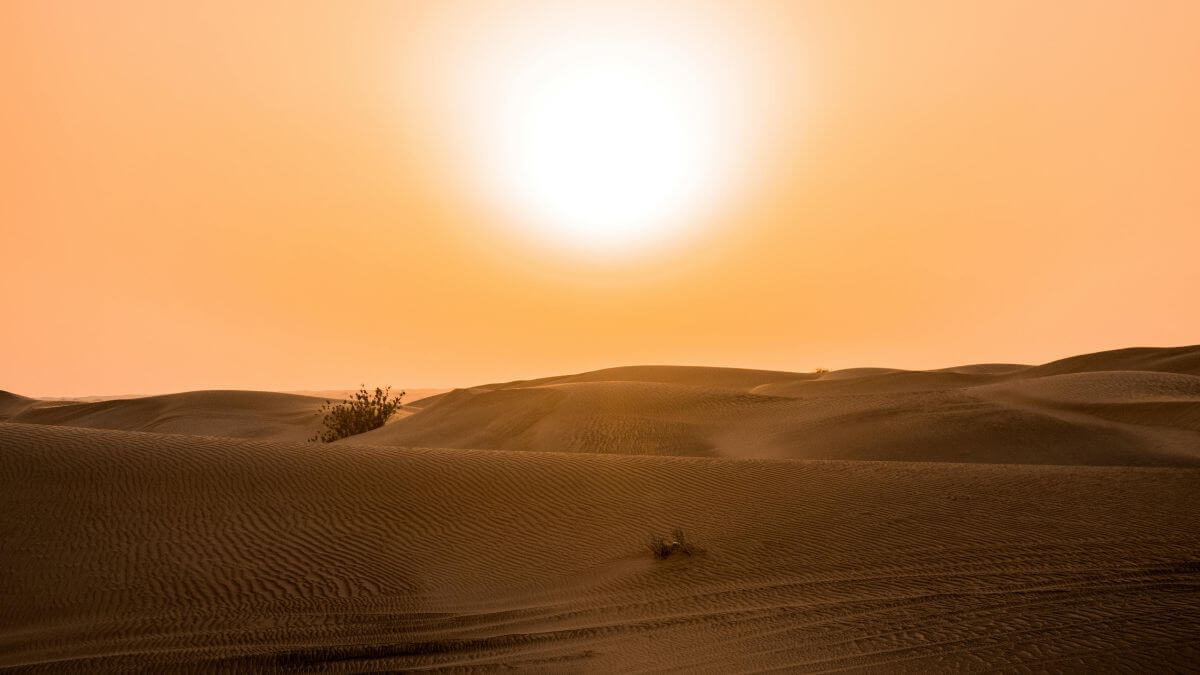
(1126,407)
(242,414)
(162,552)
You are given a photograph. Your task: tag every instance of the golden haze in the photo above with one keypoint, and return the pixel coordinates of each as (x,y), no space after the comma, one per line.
(255,187)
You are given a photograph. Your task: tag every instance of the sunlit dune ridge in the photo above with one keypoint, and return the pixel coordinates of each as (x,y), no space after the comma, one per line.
(1136,406)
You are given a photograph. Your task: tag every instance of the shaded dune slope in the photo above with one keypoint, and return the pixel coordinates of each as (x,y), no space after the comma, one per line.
(1182,360)
(163,552)
(12,404)
(243,414)
(1114,408)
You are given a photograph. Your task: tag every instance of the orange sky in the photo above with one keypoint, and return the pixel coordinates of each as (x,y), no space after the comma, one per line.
(254,195)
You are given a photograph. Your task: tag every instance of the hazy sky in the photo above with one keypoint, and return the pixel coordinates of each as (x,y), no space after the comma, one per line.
(295,195)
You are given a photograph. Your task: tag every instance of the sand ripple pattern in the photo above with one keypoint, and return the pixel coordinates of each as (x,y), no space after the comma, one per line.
(134,551)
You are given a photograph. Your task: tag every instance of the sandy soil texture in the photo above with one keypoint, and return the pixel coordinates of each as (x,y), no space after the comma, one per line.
(1128,407)
(1056,530)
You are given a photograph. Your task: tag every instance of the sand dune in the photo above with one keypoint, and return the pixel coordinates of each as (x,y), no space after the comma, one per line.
(238,414)
(1163,400)
(1028,518)
(129,550)
(1006,413)
(242,414)
(1068,412)
(728,378)
(13,404)
(987,368)
(411,395)
(1182,360)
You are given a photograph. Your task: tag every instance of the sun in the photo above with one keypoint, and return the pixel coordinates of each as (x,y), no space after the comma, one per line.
(600,132)
(605,142)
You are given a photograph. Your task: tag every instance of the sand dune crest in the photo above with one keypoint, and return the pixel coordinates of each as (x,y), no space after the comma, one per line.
(1067,412)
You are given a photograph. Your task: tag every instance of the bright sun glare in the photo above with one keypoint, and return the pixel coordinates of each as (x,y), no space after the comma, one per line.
(601,133)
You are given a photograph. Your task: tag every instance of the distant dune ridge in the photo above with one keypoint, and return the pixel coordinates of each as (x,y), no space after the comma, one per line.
(1030,518)
(1138,406)
(242,414)
(1125,407)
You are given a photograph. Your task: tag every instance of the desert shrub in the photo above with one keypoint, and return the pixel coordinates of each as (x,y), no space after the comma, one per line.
(361,412)
(820,371)
(665,547)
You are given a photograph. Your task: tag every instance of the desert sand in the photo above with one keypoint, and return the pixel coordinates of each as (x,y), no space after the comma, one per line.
(1129,407)
(986,517)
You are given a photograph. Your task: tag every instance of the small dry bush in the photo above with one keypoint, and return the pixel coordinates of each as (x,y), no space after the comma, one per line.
(820,371)
(361,412)
(665,547)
